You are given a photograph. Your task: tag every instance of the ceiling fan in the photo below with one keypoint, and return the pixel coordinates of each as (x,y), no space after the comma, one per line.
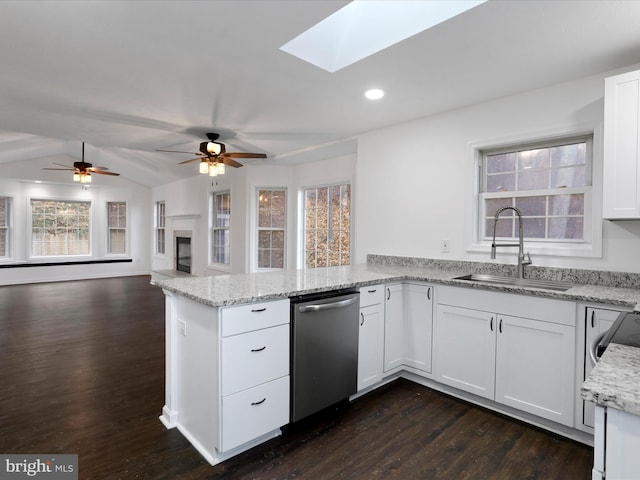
(213,156)
(82,170)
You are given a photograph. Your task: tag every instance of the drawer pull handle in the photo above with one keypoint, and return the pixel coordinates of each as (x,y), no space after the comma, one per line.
(258,349)
(491,324)
(362,315)
(500,326)
(258,310)
(260,402)
(372,291)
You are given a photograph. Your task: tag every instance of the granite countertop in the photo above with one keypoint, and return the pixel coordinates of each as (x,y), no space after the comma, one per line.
(225,290)
(614,382)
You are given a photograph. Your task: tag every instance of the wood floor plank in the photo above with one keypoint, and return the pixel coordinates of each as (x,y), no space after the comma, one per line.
(82,371)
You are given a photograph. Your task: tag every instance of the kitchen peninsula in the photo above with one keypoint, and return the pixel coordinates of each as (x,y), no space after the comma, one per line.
(207,316)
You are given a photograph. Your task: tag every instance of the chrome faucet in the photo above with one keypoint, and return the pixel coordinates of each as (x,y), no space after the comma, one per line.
(523,259)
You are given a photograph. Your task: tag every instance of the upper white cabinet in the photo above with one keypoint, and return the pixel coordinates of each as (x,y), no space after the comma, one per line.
(516,350)
(621,175)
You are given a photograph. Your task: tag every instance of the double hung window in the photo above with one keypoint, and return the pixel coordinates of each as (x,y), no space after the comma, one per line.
(550,183)
(271,227)
(4,226)
(117,226)
(160,228)
(220,229)
(60,228)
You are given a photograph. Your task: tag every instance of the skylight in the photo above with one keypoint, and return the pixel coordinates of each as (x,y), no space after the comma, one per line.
(364,27)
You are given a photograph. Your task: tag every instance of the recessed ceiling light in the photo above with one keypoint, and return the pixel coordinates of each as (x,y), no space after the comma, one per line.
(374,94)
(37,181)
(362,28)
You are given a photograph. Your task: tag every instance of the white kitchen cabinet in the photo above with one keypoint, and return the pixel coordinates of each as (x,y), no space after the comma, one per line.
(418,326)
(371,336)
(597,322)
(616,445)
(525,363)
(534,367)
(232,366)
(464,350)
(393,326)
(621,173)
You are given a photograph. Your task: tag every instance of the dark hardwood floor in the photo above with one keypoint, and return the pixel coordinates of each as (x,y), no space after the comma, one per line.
(82,371)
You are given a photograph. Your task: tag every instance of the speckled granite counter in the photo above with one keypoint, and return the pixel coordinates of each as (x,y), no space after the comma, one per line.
(615,380)
(247,288)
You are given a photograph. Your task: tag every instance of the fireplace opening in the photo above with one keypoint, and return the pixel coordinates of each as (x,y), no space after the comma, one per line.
(183,254)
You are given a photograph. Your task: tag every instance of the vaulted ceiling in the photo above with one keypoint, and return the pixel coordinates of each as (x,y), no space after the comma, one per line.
(131,77)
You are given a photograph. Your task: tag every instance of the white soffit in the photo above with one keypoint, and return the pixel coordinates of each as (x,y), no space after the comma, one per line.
(364,27)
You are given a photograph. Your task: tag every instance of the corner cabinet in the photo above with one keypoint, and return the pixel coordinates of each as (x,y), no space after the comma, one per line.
(514,349)
(621,174)
(408,326)
(371,336)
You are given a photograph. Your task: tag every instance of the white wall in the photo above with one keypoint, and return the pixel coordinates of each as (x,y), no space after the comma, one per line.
(414,182)
(187,209)
(137,198)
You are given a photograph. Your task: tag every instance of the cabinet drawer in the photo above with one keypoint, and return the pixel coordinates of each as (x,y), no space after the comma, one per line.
(253,358)
(254,316)
(251,413)
(371,295)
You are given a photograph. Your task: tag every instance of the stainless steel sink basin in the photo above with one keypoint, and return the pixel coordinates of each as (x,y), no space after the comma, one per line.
(517,282)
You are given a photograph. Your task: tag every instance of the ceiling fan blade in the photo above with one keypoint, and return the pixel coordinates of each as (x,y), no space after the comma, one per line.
(67,169)
(102,172)
(230,162)
(61,165)
(179,151)
(191,160)
(244,155)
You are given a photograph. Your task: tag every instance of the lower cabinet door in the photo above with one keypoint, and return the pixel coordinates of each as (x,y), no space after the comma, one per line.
(535,367)
(248,414)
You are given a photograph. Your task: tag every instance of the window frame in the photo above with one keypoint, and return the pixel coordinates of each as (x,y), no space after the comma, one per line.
(109,252)
(213,203)
(302,259)
(8,229)
(29,236)
(258,229)
(591,245)
(160,222)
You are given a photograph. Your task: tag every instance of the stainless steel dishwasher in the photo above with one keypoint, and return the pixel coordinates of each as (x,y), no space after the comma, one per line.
(324,350)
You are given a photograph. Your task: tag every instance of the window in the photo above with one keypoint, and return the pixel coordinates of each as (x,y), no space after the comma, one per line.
(117,223)
(220,222)
(4,226)
(271,227)
(327,226)
(549,183)
(60,228)
(160,222)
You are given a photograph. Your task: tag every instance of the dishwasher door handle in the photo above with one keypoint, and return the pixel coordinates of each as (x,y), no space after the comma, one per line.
(328,306)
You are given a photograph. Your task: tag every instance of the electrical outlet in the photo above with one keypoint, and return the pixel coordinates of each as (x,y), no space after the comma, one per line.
(444,246)
(183,327)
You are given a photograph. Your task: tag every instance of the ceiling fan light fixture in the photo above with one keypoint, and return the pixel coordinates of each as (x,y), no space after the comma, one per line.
(76,177)
(204,167)
(214,148)
(213,171)
(220,168)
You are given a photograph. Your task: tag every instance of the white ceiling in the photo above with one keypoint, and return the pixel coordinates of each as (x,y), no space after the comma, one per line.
(130,77)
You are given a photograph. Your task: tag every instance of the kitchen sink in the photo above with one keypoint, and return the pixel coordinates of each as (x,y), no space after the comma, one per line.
(517,282)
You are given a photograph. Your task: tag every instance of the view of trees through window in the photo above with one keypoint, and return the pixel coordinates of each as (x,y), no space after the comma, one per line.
(271,228)
(327,226)
(60,228)
(4,226)
(548,184)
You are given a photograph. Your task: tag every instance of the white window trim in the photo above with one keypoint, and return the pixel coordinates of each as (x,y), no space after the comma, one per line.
(61,258)
(126,253)
(210,263)
(156,208)
(253,253)
(592,245)
(9,258)
(300,258)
